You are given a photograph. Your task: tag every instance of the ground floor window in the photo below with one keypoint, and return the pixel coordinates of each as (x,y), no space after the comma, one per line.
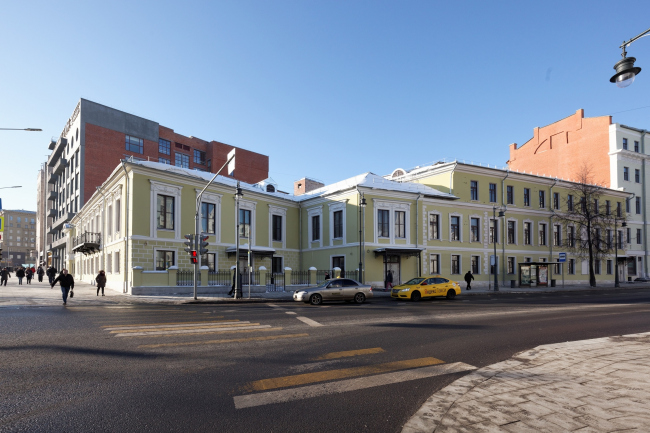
(276,266)
(164,259)
(339,262)
(494,262)
(455,264)
(631,266)
(434,264)
(209,260)
(476,265)
(572,266)
(609,267)
(557,268)
(597,267)
(109,263)
(511,265)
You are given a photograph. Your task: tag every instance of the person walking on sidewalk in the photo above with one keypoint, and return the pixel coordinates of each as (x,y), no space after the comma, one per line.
(51,273)
(389,280)
(101,282)
(67,283)
(40,272)
(20,273)
(468,279)
(4,274)
(29,274)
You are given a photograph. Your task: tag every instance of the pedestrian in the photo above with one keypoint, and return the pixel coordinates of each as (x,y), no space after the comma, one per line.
(327,275)
(236,293)
(101,282)
(40,273)
(468,279)
(4,274)
(20,273)
(51,273)
(29,274)
(389,280)
(67,284)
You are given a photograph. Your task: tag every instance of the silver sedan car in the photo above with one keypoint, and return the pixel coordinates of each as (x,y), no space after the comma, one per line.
(337,289)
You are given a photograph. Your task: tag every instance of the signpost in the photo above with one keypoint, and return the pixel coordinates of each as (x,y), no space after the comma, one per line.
(562,259)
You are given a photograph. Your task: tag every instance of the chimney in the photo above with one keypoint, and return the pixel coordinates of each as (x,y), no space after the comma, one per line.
(304,185)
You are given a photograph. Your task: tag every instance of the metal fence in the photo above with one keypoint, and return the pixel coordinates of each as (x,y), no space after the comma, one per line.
(323,275)
(253,277)
(220,278)
(185,278)
(350,274)
(300,278)
(275,283)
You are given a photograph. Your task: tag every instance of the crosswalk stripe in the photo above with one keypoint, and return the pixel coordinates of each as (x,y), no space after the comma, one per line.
(231,340)
(173,325)
(309,321)
(167,323)
(190,331)
(282,396)
(336,355)
(322,376)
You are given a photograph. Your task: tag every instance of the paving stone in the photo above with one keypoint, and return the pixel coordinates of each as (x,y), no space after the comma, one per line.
(601,423)
(566,422)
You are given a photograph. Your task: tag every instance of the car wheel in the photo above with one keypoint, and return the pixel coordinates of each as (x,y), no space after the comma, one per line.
(416,296)
(451,294)
(359,298)
(316,299)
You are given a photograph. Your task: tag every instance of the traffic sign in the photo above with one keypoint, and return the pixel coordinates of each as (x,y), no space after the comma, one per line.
(562,258)
(231,164)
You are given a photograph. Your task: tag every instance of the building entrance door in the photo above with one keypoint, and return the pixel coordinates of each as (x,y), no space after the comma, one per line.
(392,265)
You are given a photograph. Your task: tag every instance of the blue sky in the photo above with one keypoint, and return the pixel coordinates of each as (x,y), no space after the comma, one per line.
(326,89)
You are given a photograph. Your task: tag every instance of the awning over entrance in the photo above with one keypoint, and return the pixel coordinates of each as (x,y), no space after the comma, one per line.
(257,251)
(404,251)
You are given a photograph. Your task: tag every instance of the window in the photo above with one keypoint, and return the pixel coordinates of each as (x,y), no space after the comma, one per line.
(182,160)
(596,207)
(526,196)
(609,238)
(476,265)
(164,161)
(270,188)
(400,224)
(626,173)
(627,205)
(382,223)
(638,205)
(629,236)
(493,193)
(494,235)
(619,240)
(511,232)
(164,259)
(618,209)
(542,199)
(625,144)
(277,227)
(569,202)
(165,212)
(494,265)
(527,234)
(276,265)
(134,144)
(455,228)
(556,200)
(109,263)
(638,236)
(572,266)
(608,207)
(510,194)
(557,235)
(609,267)
(597,267)
(210,261)
(597,238)
(116,269)
(434,227)
(199,157)
(473,190)
(434,264)
(208,217)
(109,224)
(117,216)
(542,234)
(338,224)
(339,262)
(164,146)
(245,223)
(455,264)
(315,228)
(511,265)
(474,230)
(636,146)
(571,236)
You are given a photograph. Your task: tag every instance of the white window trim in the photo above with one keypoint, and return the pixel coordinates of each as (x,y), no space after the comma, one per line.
(460,264)
(334,207)
(514,267)
(155,253)
(516,221)
(561,234)
(169,190)
(431,255)
(460,226)
(345,260)
(429,226)
(251,206)
(480,223)
(479,263)
(539,227)
(315,211)
(215,199)
(282,212)
(391,207)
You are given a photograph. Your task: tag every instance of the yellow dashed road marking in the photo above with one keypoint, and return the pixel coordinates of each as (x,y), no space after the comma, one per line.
(160,330)
(335,355)
(232,340)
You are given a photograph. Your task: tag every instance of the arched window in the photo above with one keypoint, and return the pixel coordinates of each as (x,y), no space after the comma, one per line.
(270,188)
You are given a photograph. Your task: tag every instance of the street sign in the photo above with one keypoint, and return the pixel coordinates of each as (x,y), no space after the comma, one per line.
(2,223)
(231,164)
(562,258)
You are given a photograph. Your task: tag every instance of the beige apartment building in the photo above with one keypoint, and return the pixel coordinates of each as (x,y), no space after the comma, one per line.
(19,238)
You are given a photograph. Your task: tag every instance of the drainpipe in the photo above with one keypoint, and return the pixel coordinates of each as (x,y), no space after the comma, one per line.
(417,225)
(126,231)
(99,190)
(550,223)
(503,244)
(300,263)
(645,219)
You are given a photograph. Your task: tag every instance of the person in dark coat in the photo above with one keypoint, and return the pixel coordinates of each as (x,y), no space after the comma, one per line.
(101,282)
(468,279)
(51,273)
(20,273)
(40,272)
(67,283)
(4,274)
(236,293)
(389,280)
(29,274)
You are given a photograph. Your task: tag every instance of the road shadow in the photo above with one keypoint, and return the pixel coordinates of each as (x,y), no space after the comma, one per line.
(85,351)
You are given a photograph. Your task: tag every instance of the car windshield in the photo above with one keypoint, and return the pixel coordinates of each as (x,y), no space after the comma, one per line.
(414,281)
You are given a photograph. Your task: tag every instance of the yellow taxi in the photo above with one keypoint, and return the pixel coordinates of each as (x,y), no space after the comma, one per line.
(427,286)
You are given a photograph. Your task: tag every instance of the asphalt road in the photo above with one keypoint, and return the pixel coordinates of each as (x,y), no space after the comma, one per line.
(272,367)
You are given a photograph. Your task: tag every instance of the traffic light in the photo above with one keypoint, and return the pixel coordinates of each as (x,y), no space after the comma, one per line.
(194,257)
(189,243)
(0,253)
(203,244)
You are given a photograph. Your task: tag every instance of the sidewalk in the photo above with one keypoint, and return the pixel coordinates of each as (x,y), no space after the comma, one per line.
(599,385)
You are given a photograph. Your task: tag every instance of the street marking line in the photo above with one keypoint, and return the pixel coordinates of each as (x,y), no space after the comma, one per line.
(290,312)
(168,323)
(308,321)
(191,331)
(310,391)
(237,331)
(275,306)
(231,340)
(322,376)
(348,353)
(173,326)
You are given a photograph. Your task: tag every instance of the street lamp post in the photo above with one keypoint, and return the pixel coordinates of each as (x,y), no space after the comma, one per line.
(494,241)
(362,207)
(238,196)
(616,245)
(21,129)
(625,69)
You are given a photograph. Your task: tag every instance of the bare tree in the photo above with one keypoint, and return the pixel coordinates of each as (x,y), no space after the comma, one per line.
(592,219)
